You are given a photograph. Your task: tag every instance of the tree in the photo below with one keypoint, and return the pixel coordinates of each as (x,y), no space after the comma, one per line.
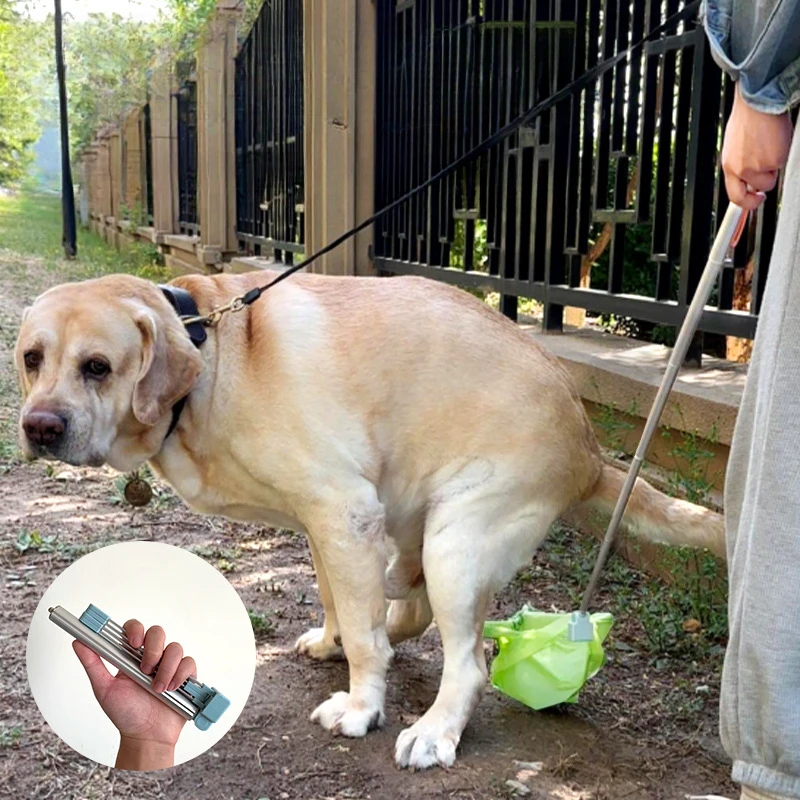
(186,19)
(108,61)
(18,109)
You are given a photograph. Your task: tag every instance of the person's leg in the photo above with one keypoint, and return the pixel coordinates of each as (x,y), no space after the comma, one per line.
(760,703)
(748,793)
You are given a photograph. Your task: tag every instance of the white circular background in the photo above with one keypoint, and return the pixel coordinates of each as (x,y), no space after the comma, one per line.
(158,584)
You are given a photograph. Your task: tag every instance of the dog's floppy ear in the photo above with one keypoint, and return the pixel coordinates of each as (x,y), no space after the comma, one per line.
(22,377)
(170,367)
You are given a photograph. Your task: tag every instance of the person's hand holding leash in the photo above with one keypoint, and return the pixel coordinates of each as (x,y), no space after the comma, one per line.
(755,149)
(148,729)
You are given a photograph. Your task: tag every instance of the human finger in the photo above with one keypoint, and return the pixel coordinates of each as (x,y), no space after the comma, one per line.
(170,661)
(760,181)
(738,193)
(153,648)
(135,632)
(186,669)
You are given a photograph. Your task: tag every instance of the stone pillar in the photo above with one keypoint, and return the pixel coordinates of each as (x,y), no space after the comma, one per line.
(339,109)
(104,178)
(164,131)
(216,134)
(132,165)
(85,189)
(115,154)
(91,182)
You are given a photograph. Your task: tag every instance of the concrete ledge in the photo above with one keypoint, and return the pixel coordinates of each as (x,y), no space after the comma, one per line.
(183,266)
(209,256)
(617,379)
(241,264)
(181,242)
(610,369)
(125,240)
(148,233)
(155,236)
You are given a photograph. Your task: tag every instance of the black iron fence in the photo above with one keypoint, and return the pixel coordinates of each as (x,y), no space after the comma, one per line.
(269,132)
(146,136)
(624,174)
(188,222)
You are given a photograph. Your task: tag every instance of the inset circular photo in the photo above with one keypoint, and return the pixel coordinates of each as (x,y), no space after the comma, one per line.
(141,656)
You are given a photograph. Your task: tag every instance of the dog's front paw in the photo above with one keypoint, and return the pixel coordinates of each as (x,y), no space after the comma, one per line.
(341,715)
(425,745)
(316,644)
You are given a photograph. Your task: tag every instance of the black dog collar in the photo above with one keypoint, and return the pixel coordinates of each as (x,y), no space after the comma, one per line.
(184,306)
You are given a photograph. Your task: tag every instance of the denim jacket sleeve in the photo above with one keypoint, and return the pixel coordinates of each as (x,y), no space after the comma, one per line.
(757,42)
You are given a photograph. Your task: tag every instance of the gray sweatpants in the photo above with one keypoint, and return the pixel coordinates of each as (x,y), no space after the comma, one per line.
(760,707)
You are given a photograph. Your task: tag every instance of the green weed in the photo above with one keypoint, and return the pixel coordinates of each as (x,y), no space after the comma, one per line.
(263,625)
(614,424)
(10,736)
(33,540)
(692,457)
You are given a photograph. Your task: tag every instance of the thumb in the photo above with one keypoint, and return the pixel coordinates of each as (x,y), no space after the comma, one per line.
(99,676)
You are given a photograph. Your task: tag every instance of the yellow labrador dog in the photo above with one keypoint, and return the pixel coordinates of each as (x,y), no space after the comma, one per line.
(358,411)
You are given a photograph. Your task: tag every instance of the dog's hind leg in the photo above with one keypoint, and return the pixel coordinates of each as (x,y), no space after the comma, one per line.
(322,643)
(408,619)
(472,547)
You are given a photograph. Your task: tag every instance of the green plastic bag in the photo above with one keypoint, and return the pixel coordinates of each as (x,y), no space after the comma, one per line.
(537,664)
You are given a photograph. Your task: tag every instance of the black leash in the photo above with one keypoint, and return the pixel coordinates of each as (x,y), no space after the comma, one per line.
(249,297)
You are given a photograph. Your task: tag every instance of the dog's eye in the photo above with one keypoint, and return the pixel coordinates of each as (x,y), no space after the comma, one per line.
(33,359)
(95,368)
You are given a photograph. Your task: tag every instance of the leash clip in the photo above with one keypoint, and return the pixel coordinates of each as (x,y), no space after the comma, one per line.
(213,317)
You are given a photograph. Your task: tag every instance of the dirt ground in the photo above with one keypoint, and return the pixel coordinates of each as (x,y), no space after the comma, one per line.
(645,727)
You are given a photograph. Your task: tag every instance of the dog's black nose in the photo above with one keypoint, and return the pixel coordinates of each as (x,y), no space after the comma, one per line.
(44,428)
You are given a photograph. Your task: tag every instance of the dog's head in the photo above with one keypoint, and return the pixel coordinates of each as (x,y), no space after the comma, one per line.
(100,364)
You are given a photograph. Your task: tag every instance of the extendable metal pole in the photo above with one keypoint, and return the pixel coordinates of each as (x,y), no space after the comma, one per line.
(727,231)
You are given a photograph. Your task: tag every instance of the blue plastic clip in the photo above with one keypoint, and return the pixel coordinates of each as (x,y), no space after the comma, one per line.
(94,619)
(211,703)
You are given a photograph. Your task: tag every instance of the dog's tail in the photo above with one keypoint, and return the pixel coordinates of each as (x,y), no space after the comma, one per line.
(653,515)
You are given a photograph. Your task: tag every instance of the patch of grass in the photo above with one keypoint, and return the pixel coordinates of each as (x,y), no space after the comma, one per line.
(700,587)
(10,736)
(9,451)
(30,226)
(697,594)
(614,424)
(223,558)
(33,540)
(690,475)
(263,624)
